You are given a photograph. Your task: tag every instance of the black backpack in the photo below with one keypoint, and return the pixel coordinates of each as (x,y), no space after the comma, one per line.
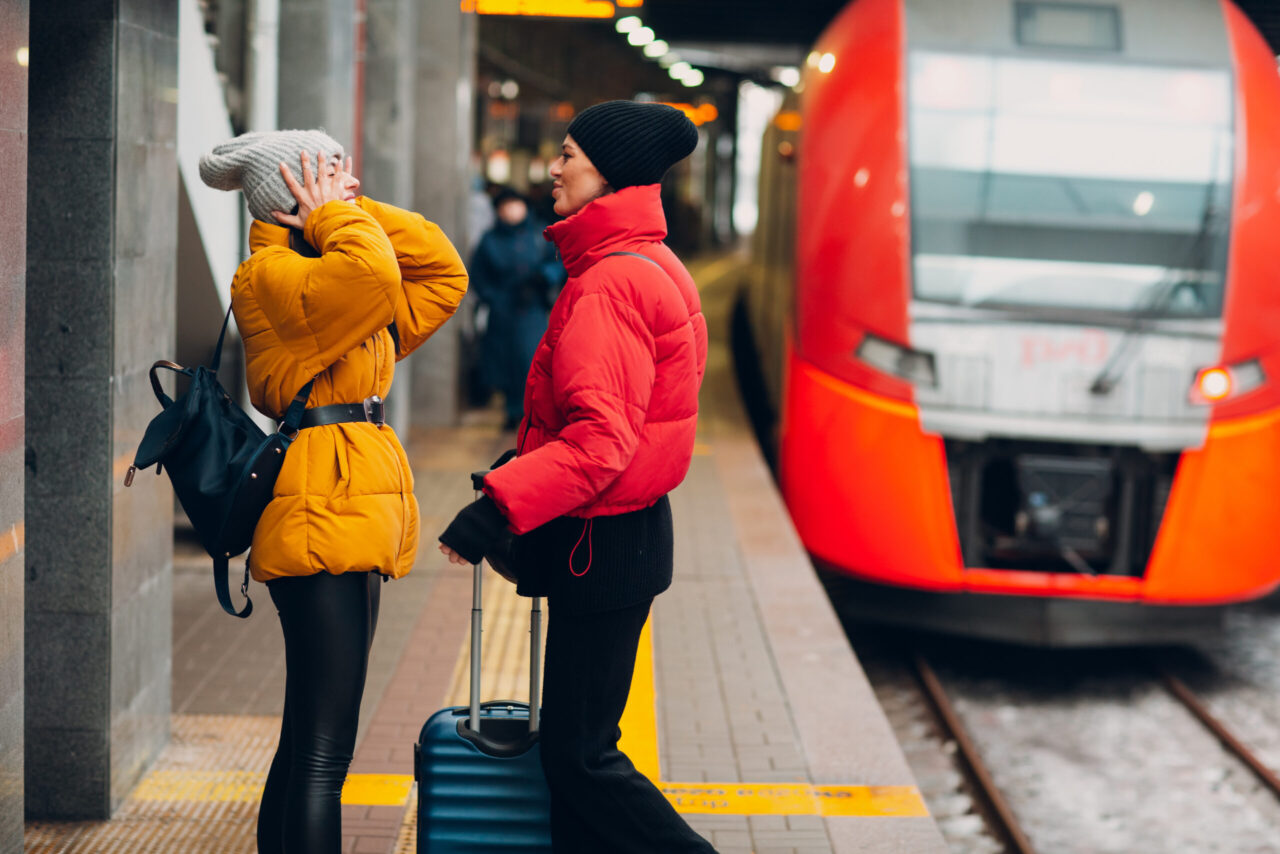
(222,465)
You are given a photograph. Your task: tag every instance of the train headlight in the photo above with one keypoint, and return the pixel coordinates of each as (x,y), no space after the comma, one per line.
(1219,383)
(915,366)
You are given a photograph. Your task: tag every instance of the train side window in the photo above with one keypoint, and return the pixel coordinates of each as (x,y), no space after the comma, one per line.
(1067,25)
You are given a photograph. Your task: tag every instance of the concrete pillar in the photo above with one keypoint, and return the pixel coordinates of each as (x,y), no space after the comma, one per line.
(416,135)
(317,61)
(444,98)
(13,272)
(390,47)
(387,136)
(101,246)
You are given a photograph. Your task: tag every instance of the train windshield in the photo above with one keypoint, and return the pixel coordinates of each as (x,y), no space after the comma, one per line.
(1084,186)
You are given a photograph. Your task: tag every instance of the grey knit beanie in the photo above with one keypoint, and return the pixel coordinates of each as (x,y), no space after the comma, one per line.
(251,163)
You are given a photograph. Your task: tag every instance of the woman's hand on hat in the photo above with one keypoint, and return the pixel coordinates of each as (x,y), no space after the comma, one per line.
(313,191)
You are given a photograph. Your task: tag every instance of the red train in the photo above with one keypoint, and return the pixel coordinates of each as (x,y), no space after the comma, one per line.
(1018,306)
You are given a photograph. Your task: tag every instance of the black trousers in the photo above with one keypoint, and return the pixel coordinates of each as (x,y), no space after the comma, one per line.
(600,804)
(328,622)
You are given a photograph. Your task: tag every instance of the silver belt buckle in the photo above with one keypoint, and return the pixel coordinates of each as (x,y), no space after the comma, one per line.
(375,410)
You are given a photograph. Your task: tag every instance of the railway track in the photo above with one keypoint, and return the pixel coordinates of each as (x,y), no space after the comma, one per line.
(1079,752)
(1003,823)
(1000,820)
(1229,740)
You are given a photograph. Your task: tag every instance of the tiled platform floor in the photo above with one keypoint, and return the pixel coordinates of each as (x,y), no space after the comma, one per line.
(752,681)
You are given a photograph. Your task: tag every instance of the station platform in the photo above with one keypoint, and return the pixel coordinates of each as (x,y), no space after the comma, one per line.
(748,707)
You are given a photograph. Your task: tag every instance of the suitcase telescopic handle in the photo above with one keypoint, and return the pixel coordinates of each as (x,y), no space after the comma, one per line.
(477,624)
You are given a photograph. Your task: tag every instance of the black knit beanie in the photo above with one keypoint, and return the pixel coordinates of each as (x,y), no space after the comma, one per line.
(633,144)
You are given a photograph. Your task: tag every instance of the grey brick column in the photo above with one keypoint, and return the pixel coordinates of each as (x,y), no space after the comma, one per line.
(101,244)
(13,273)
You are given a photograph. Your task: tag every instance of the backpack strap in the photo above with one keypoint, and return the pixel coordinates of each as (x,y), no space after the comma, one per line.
(221,573)
(217,351)
(644,257)
(165,400)
(293,415)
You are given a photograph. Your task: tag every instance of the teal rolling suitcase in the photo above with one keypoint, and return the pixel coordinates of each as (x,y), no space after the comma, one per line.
(480,786)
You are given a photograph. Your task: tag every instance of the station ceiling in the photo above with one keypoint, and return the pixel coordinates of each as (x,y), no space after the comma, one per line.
(796,23)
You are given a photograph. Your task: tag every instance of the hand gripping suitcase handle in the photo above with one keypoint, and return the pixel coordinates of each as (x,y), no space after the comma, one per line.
(477,622)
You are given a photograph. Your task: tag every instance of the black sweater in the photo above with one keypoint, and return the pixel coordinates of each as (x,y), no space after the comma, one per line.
(590,565)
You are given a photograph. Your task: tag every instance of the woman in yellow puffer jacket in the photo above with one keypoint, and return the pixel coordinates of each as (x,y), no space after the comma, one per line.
(337,291)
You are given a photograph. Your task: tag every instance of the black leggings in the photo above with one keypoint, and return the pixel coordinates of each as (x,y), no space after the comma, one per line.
(600,804)
(328,623)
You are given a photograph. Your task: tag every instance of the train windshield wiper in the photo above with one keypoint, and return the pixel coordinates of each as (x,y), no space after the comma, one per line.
(1157,301)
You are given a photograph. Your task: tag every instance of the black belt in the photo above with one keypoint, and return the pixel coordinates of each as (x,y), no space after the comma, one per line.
(373,410)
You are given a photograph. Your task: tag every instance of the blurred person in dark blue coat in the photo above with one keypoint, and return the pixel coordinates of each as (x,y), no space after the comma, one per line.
(515,274)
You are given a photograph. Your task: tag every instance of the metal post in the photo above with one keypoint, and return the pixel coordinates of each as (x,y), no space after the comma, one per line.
(535,662)
(474,721)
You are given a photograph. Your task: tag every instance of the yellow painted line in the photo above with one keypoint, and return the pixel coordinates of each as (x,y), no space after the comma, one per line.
(394,790)
(701,449)
(377,790)
(639,741)
(794,799)
(372,790)
(639,723)
(238,786)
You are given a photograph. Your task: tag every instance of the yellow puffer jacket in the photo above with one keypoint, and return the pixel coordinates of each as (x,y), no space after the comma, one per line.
(344,500)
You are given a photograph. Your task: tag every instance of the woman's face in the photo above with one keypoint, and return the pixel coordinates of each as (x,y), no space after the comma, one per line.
(577,181)
(350,183)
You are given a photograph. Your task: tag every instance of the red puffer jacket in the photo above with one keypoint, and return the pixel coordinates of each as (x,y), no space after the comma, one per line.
(611,403)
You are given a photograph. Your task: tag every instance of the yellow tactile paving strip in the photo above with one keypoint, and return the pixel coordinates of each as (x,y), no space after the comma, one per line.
(226,756)
(505,675)
(202,795)
(794,799)
(407,842)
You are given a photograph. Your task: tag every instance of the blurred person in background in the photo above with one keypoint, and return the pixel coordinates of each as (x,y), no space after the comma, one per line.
(515,275)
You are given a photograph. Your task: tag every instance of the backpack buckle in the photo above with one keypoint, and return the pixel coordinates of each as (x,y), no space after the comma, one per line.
(375,410)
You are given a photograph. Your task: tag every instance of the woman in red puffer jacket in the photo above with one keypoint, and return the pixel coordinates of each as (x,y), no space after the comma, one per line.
(611,406)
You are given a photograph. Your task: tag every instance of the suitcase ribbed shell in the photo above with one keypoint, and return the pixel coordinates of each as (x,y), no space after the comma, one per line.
(470,802)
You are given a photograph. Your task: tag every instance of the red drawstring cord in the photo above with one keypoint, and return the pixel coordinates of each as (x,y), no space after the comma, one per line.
(586,532)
